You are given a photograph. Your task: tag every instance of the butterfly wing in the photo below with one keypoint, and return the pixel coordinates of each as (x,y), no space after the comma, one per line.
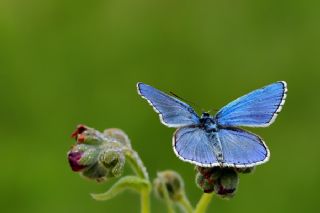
(192,144)
(241,148)
(256,109)
(172,112)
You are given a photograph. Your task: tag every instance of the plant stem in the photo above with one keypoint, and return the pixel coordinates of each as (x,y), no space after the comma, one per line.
(145,200)
(185,204)
(167,198)
(203,203)
(136,164)
(141,171)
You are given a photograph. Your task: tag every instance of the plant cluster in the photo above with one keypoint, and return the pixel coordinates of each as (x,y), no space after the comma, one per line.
(102,156)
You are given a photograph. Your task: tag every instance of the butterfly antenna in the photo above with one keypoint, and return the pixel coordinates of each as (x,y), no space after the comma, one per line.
(185,100)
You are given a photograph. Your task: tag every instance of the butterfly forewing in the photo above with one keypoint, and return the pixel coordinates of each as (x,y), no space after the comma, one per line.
(172,112)
(256,109)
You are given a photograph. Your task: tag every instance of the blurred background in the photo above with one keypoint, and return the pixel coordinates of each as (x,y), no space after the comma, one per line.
(63,63)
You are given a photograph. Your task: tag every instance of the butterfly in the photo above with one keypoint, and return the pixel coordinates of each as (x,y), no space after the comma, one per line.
(210,141)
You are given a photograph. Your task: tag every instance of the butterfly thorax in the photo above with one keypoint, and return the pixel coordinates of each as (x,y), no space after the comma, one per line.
(207,122)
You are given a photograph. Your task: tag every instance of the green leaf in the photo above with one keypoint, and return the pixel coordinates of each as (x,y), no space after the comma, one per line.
(127,182)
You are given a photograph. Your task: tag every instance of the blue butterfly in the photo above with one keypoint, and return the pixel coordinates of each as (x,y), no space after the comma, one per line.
(209,141)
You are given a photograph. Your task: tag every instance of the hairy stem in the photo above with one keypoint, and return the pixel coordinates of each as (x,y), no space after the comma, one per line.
(167,198)
(141,171)
(136,164)
(185,204)
(203,203)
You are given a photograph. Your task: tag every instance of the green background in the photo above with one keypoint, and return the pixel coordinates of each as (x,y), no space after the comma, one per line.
(68,62)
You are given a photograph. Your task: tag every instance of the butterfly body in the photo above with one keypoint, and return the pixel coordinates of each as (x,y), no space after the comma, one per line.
(217,140)
(207,123)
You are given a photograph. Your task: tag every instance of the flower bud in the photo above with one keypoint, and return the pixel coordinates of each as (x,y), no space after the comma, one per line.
(206,185)
(87,135)
(118,135)
(223,181)
(227,184)
(113,161)
(206,178)
(80,129)
(96,156)
(210,172)
(82,156)
(74,158)
(170,181)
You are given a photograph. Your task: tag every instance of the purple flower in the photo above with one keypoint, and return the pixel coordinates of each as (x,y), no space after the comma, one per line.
(74,157)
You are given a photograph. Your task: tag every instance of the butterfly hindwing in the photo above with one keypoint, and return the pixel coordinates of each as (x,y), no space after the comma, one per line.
(172,112)
(241,148)
(192,144)
(256,109)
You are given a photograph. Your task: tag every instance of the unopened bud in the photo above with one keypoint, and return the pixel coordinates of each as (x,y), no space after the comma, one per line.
(82,156)
(223,181)
(114,161)
(207,177)
(226,185)
(96,156)
(74,158)
(118,135)
(170,181)
(87,135)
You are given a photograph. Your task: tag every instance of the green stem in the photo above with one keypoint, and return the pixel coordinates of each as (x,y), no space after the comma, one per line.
(136,164)
(203,203)
(185,204)
(145,200)
(167,198)
(141,171)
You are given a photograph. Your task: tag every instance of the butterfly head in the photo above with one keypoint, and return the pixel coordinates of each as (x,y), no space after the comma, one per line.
(205,115)
(207,122)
